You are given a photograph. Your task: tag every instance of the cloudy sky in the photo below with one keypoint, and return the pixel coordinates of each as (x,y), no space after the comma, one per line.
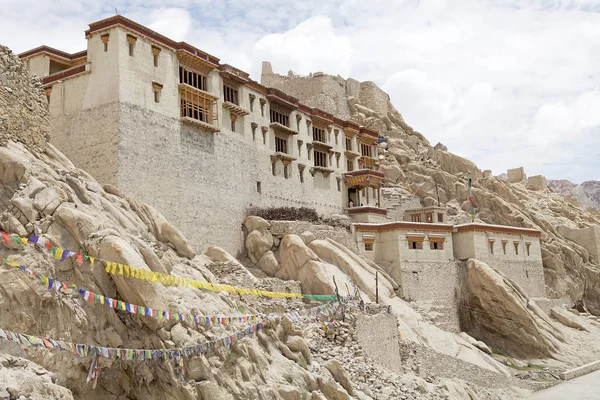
(505,83)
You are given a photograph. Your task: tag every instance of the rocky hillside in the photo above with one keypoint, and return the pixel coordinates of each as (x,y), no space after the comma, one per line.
(586,194)
(107,300)
(409,159)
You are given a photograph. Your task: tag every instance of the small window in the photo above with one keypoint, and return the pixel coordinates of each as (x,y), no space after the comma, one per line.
(273,169)
(436,245)
(232,126)
(440,217)
(262,109)
(349,165)
(104,39)
(299,149)
(337,132)
(339,185)
(280,145)
(230,95)
(319,135)
(516,247)
(348,144)
(368,246)
(337,162)
(415,245)
(254,132)
(527,273)
(504,246)
(415,218)
(491,242)
(320,159)
(157,88)
(280,118)
(264,137)
(155,53)
(131,42)
(252,97)
(301,175)
(285,171)
(259,187)
(527,246)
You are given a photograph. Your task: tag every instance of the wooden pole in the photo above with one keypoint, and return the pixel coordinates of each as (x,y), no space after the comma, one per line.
(376,287)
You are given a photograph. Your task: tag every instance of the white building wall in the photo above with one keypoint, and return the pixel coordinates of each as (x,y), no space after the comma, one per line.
(38,64)
(525,270)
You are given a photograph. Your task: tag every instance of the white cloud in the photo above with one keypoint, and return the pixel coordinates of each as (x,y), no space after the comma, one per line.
(313,44)
(502,82)
(174,23)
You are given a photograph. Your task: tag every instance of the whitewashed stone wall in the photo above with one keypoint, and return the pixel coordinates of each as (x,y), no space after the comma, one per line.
(525,270)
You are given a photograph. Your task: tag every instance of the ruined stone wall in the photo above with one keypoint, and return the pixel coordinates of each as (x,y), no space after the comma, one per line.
(396,205)
(23,105)
(339,234)
(325,92)
(379,337)
(435,288)
(589,238)
(516,175)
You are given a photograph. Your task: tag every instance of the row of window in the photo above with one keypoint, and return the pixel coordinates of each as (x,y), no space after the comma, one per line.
(428,217)
(287,175)
(515,245)
(200,81)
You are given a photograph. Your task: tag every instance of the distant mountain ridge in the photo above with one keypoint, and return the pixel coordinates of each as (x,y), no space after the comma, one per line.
(587,193)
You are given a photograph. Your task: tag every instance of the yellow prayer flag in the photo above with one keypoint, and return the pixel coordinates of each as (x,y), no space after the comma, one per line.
(114,268)
(108,265)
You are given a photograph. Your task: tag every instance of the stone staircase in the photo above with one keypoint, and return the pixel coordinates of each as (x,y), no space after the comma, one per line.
(396,201)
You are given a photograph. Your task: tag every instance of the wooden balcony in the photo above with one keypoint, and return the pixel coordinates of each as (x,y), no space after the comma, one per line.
(363,178)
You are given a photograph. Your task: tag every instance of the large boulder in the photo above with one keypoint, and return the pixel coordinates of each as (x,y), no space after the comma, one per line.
(12,167)
(268,263)
(498,309)
(258,243)
(166,232)
(340,375)
(293,254)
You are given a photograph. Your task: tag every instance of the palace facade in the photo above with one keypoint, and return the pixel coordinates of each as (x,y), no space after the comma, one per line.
(198,139)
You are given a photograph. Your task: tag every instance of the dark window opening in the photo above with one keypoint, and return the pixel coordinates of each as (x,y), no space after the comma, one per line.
(415,245)
(318,135)
(259,187)
(280,145)
(230,95)
(192,78)
(368,246)
(280,118)
(320,159)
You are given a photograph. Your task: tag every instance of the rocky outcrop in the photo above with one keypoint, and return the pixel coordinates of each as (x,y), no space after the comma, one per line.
(498,309)
(586,194)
